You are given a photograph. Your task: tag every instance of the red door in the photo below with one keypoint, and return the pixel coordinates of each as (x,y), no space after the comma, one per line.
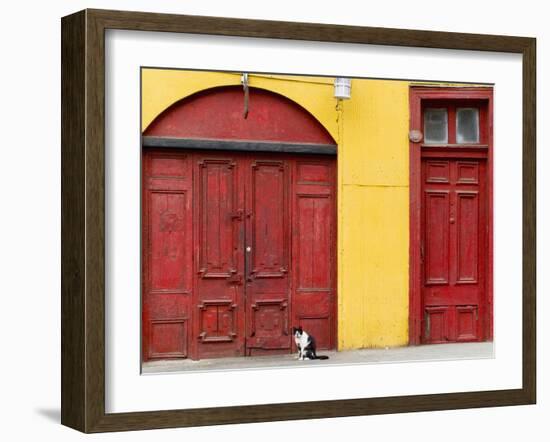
(313,248)
(167,277)
(267,255)
(238,248)
(453,249)
(218,301)
(450,218)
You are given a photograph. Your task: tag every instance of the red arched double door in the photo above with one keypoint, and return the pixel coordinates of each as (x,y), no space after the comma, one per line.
(239,227)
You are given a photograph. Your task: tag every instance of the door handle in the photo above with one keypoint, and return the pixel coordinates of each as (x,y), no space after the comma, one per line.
(247,271)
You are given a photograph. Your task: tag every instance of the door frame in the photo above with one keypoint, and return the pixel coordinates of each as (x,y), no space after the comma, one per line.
(418,94)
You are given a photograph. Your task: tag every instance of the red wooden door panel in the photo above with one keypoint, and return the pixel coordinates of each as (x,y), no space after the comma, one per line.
(268,255)
(219,293)
(238,248)
(167,239)
(314,240)
(453,249)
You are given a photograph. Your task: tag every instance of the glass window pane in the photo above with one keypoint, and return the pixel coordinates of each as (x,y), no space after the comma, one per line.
(467,125)
(435,126)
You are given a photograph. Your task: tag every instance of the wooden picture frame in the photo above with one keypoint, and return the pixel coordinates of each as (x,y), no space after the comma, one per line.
(83,220)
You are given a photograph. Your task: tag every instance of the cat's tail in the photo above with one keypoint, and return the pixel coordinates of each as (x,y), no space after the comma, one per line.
(321,357)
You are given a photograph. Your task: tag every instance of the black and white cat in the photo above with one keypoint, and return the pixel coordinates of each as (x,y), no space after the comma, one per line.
(305,344)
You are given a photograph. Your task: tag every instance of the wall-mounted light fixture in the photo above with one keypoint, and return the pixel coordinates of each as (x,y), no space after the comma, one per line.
(342,88)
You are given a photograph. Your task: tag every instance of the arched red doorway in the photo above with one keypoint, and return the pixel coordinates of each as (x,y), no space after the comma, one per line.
(239,227)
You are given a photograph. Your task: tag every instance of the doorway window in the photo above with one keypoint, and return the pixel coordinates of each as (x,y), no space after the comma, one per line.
(467,125)
(453,123)
(435,126)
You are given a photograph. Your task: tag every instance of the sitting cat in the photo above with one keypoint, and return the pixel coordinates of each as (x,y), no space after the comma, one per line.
(305,344)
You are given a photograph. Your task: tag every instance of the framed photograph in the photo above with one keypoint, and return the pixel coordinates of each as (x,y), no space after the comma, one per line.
(268,221)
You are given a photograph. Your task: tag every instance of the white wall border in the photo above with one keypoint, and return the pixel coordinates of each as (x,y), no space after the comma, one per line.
(127,390)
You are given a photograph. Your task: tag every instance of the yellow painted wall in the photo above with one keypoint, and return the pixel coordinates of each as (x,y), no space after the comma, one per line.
(373,188)
(373,243)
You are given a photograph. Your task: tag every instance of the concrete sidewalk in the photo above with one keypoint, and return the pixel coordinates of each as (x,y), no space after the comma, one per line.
(437,352)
